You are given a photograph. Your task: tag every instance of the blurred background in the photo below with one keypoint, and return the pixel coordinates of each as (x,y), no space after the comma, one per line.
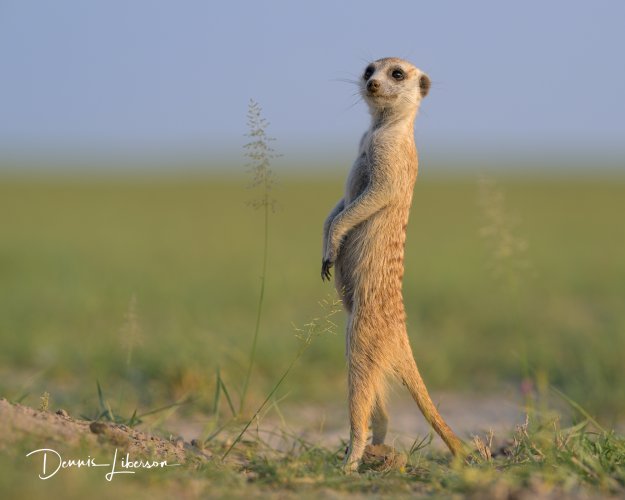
(158,80)
(129,254)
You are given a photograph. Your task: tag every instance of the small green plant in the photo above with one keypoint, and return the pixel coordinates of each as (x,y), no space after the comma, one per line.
(220,387)
(45,401)
(130,331)
(105,412)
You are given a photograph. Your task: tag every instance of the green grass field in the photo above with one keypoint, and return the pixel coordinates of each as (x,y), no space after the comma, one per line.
(149,285)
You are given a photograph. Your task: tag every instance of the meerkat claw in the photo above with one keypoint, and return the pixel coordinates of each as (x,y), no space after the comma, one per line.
(325,270)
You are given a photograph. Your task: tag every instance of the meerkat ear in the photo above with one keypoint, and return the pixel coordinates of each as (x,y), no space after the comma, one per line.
(424,84)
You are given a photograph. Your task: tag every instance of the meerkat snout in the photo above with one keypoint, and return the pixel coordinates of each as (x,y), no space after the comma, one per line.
(373,86)
(424,84)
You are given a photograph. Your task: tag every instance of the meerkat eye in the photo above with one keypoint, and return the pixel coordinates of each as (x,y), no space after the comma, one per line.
(368,72)
(398,74)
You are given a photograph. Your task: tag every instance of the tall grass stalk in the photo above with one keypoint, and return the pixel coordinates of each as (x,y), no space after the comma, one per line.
(260,155)
(510,266)
(507,250)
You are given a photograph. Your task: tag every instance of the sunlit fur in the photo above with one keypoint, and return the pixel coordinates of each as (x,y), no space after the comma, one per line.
(364,238)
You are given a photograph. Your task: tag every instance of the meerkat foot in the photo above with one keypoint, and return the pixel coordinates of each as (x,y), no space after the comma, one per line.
(352,458)
(350,467)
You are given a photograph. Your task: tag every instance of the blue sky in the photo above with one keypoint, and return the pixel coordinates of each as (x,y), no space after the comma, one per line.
(175,77)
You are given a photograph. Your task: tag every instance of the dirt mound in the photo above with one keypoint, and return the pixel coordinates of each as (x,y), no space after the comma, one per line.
(47,429)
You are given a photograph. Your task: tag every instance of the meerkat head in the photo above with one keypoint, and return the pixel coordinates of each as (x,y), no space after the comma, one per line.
(392,85)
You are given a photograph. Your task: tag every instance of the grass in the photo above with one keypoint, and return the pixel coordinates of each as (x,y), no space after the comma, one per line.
(540,459)
(74,253)
(150,286)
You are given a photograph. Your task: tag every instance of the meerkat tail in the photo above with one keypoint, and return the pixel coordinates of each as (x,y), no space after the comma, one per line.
(413,381)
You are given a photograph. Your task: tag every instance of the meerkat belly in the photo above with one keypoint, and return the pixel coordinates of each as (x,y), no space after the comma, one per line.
(370,262)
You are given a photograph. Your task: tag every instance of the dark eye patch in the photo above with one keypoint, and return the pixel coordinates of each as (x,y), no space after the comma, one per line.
(398,74)
(368,72)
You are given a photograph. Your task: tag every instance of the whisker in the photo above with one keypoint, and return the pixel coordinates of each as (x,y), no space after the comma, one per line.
(345,80)
(438,85)
(357,101)
(348,108)
(368,60)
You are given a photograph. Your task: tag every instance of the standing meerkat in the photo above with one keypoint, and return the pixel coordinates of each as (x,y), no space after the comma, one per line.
(364,238)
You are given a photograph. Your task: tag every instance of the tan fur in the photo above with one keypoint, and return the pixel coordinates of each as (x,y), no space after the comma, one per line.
(364,238)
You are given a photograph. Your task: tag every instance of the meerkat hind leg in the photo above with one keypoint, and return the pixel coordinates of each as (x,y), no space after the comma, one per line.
(379,417)
(362,392)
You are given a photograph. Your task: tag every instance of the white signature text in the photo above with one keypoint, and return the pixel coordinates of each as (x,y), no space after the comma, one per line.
(53,462)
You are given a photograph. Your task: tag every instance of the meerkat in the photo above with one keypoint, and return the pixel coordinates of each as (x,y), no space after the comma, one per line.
(364,237)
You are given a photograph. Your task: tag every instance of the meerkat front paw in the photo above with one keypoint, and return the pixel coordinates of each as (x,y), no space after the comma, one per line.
(326,265)
(329,257)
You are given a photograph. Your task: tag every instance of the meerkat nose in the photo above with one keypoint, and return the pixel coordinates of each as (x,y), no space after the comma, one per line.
(373,86)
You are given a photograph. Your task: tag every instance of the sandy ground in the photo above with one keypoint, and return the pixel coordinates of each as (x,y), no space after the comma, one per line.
(280,427)
(468,415)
